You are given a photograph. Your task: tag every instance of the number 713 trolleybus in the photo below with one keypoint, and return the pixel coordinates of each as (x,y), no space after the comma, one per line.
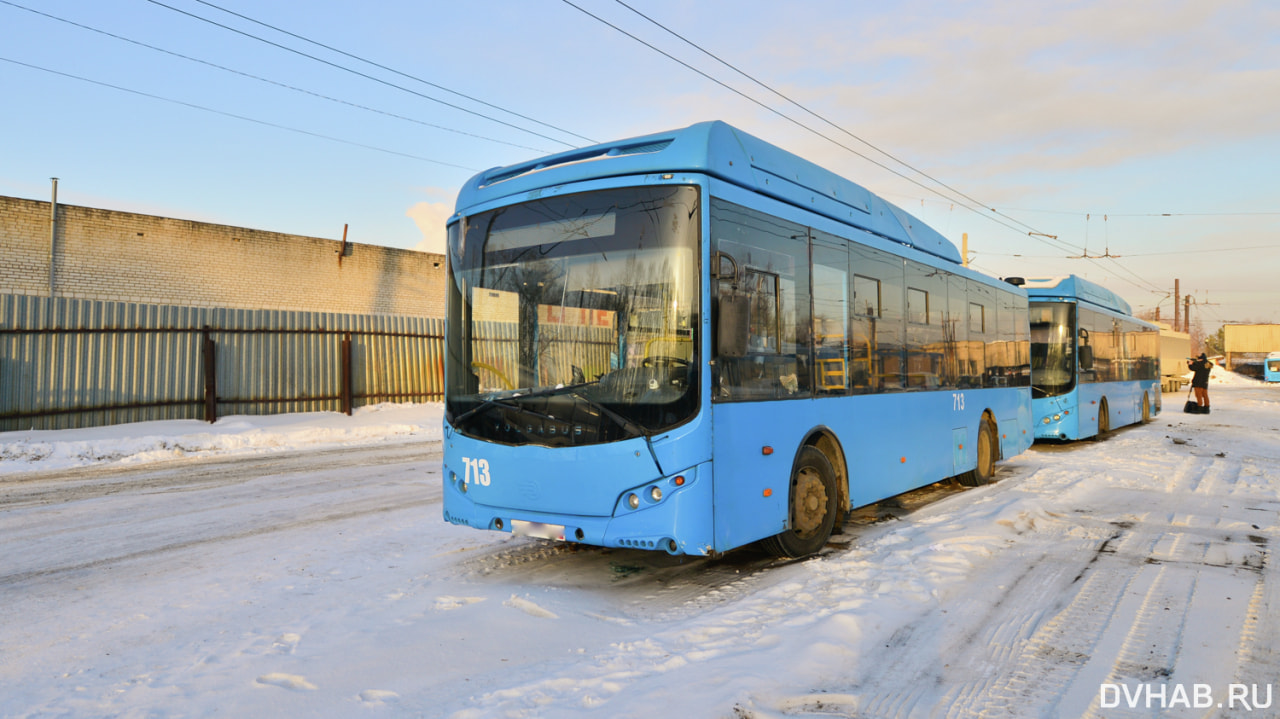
(694,340)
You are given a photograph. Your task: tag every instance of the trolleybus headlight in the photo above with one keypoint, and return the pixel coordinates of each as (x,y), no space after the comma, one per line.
(633,501)
(1046,420)
(1057,417)
(655,493)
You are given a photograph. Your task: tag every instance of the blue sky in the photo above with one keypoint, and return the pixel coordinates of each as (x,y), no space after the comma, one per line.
(1147,130)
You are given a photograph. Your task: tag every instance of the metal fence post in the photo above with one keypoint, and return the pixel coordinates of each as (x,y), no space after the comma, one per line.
(346,383)
(210,377)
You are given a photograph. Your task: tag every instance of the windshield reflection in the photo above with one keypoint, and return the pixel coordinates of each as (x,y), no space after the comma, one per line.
(1053,357)
(573,320)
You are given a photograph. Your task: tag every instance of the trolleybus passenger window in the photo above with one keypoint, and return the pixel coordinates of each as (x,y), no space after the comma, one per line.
(830,318)
(864,358)
(917,306)
(772,260)
(981,351)
(956,332)
(927,349)
(977,318)
(1020,375)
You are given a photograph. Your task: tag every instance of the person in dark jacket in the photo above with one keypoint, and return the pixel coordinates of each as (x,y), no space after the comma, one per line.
(1200,380)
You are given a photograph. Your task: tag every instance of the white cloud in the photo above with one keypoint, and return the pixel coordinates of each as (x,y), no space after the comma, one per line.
(430,217)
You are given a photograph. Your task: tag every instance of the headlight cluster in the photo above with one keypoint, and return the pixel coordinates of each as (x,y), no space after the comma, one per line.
(652,494)
(1056,417)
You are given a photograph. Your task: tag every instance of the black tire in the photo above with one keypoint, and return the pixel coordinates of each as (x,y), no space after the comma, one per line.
(811,507)
(1104,421)
(986,450)
(1146,408)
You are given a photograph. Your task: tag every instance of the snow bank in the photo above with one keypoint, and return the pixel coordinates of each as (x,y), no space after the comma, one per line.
(140,442)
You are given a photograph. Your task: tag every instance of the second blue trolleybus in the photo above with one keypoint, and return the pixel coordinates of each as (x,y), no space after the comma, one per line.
(1271,367)
(1094,366)
(694,340)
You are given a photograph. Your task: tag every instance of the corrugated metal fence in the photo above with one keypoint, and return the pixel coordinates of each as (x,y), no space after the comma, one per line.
(79,363)
(497,361)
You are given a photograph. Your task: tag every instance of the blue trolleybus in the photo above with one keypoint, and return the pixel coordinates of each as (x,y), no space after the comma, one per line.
(1094,366)
(1271,367)
(694,340)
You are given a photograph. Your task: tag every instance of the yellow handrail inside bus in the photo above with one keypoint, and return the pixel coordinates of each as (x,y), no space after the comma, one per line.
(495,370)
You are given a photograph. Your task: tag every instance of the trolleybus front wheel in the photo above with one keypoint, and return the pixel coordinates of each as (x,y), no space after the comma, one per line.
(811,506)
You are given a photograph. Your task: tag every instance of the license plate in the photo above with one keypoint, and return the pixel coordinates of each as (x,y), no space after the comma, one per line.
(521,528)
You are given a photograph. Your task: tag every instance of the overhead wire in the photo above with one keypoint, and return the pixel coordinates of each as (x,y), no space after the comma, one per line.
(365,75)
(267,80)
(1198,214)
(397,72)
(1139,254)
(1043,237)
(234,115)
(818,116)
(792,120)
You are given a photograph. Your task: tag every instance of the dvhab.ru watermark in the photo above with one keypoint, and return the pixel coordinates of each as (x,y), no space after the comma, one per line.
(1246,697)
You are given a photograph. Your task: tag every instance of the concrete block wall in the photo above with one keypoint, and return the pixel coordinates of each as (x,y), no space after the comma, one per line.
(121,256)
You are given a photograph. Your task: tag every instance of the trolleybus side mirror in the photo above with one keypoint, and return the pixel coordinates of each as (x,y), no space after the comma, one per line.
(1086,357)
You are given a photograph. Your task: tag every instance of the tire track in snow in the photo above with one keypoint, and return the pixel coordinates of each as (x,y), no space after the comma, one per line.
(1150,648)
(1050,659)
(7,580)
(70,485)
(1188,476)
(905,686)
(1259,663)
(263,497)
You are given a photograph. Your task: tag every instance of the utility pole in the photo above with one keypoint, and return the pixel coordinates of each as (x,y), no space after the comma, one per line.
(1186,314)
(964,249)
(1177,324)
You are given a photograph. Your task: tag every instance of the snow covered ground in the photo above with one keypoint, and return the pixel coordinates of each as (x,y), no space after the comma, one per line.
(298,566)
(237,435)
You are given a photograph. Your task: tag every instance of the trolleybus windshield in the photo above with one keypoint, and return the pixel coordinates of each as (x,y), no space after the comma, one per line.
(573,319)
(1053,354)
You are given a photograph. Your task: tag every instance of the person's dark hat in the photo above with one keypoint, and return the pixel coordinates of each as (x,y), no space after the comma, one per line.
(1202,356)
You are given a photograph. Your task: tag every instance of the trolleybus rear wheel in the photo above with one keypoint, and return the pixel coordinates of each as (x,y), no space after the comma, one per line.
(1146,408)
(1104,420)
(811,507)
(986,468)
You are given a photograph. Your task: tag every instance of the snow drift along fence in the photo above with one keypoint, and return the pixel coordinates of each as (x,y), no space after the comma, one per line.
(80,363)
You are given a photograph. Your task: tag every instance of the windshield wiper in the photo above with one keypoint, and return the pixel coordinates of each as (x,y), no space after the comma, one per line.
(492,401)
(513,402)
(507,401)
(623,422)
(562,389)
(572,389)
